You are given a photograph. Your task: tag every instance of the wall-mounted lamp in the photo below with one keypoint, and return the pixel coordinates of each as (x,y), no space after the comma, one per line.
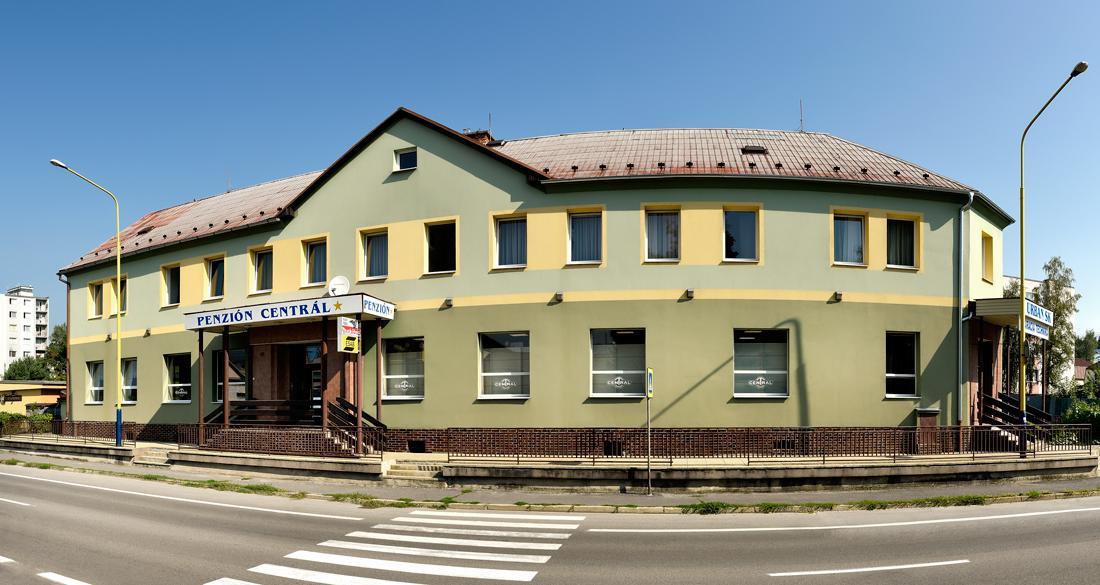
(448,303)
(148,332)
(559,297)
(838,296)
(108,337)
(689,294)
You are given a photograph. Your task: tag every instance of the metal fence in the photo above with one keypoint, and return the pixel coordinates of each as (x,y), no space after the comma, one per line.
(56,431)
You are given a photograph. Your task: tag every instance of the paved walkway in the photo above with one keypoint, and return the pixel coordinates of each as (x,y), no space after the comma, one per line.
(511,496)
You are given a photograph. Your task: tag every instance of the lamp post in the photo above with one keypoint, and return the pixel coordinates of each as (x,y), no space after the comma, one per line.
(1077,70)
(118,301)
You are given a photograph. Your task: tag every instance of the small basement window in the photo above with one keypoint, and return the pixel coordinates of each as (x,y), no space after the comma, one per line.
(404,159)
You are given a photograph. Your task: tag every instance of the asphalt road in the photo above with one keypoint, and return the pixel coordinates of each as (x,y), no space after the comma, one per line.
(75,528)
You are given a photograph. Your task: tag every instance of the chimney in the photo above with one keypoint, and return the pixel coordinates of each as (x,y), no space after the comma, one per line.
(482,137)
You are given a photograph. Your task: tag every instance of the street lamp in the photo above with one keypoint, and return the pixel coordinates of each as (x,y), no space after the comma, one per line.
(118,301)
(1077,70)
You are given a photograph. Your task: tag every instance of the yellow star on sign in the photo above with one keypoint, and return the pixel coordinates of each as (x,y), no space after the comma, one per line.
(336,306)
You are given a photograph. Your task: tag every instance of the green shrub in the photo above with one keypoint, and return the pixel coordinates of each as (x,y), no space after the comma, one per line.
(1083,412)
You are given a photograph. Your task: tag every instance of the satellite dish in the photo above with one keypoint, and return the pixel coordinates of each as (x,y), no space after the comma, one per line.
(339,285)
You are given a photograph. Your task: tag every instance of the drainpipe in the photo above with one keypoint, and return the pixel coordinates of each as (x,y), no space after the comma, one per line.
(68,349)
(961,318)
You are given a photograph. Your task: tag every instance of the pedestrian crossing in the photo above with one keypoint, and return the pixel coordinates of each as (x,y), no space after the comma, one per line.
(425,547)
(45,576)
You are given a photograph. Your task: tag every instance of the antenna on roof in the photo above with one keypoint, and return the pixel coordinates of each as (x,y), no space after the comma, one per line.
(801,126)
(228,181)
(490,122)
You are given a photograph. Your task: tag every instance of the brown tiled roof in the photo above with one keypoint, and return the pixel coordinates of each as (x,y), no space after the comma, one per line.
(716,151)
(200,218)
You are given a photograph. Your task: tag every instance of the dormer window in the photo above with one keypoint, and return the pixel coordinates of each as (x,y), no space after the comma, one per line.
(404,159)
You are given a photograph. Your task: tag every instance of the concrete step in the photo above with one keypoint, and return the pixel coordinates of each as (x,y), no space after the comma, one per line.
(416,466)
(397,480)
(412,474)
(146,462)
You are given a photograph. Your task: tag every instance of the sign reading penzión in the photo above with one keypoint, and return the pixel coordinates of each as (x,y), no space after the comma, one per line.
(291,310)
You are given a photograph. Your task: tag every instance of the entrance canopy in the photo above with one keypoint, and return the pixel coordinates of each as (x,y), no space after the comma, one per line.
(289,312)
(1006,313)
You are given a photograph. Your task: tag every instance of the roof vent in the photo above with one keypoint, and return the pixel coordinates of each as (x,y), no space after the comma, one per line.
(721,165)
(660,165)
(546,169)
(836,169)
(753,149)
(925,175)
(778,165)
(689,164)
(807,166)
(752,165)
(574,167)
(629,165)
(603,167)
(145,230)
(897,173)
(863,170)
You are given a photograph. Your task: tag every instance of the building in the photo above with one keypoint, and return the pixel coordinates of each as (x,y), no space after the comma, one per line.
(1082,369)
(26,319)
(30,396)
(769,278)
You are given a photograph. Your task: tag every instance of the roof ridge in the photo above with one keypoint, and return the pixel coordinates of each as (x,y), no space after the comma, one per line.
(560,134)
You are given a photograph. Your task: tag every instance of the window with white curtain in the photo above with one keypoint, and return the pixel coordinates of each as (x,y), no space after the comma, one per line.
(901,243)
(376,254)
(848,239)
(740,241)
(404,368)
(585,238)
(511,242)
(662,230)
(95,382)
(129,381)
(618,362)
(505,364)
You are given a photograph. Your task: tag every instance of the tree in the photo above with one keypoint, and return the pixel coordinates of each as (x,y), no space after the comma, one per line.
(28,368)
(1055,294)
(1086,345)
(57,352)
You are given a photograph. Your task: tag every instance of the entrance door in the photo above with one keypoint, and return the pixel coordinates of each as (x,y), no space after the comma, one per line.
(988,355)
(305,374)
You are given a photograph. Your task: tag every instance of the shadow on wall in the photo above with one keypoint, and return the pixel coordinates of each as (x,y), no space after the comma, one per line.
(801,395)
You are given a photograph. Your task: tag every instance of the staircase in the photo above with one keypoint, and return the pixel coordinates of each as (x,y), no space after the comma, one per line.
(999,412)
(156,457)
(414,473)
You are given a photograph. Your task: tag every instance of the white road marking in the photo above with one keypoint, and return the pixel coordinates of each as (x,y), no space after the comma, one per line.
(5,560)
(187,500)
(434,552)
(471,532)
(531,516)
(487,523)
(847,526)
(320,577)
(456,541)
(61,579)
(869,569)
(418,568)
(228,581)
(13,502)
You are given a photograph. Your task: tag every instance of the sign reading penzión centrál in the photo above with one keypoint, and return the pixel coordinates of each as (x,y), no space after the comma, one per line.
(291,310)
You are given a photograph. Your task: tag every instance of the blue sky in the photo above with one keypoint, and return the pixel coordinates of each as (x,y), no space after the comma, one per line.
(166,102)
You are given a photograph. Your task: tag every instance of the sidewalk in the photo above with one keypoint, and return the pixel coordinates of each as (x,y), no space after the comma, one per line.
(513,496)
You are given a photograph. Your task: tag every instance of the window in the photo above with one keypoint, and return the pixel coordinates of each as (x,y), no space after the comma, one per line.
(404,159)
(215,277)
(122,294)
(585,238)
(171,275)
(662,231)
(261,265)
(238,374)
(740,243)
(317,262)
(901,243)
(505,364)
(95,382)
(848,240)
(12,314)
(129,380)
(987,258)
(96,291)
(901,364)
(618,362)
(11,354)
(760,362)
(179,377)
(376,250)
(404,368)
(441,247)
(511,242)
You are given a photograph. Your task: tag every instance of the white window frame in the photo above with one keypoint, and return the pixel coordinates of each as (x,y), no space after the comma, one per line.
(256,270)
(305,257)
(591,372)
(164,272)
(913,222)
(91,379)
(208,264)
(786,372)
(679,236)
(97,311)
(397,159)
(496,239)
(386,376)
(916,367)
(122,373)
(832,253)
(756,236)
(428,248)
(569,238)
(366,254)
(481,375)
(170,386)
